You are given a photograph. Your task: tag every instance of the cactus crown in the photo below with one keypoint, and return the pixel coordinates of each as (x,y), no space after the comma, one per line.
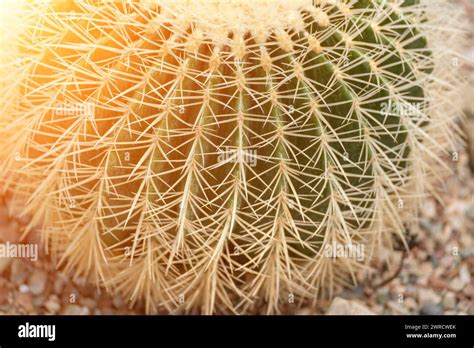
(204,154)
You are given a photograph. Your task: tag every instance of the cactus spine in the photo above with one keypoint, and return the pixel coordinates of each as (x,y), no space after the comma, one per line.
(204,155)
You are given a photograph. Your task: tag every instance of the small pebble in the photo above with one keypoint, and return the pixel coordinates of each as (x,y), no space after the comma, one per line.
(23,288)
(431,309)
(410,290)
(38,301)
(52,305)
(438,284)
(456,284)
(340,306)
(470,213)
(59,282)
(449,300)
(304,311)
(354,293)
(431,227)
(426,268)
(447,261)
(24,301)
(397,308)
(464,274)
(410,303)
(37,282)
(429,246)
(422,281)
(428,296)
(18,272)
(382,296)
(117,301)
(3,296)
(79,281)
(421,255)
(467,252)
(469,291)
(429,208)
(412,278)
(107,311)
(89,302)
(73,309)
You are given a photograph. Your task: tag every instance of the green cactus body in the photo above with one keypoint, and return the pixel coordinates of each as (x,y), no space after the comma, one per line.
(227,143)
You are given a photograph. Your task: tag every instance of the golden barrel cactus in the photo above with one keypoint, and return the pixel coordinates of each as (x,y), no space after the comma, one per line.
(211,156)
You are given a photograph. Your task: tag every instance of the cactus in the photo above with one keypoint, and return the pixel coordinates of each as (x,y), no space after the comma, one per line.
(206,156)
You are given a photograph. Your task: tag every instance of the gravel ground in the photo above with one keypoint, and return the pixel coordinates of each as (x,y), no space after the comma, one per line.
(436,276)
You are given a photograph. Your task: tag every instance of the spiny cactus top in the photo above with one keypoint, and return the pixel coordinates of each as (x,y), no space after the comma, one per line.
(214,155)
